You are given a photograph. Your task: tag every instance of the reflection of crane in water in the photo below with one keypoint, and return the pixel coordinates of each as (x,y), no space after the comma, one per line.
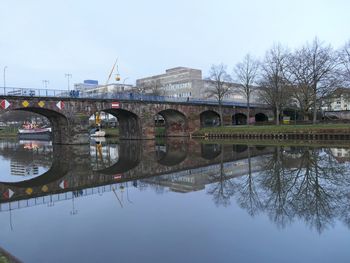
(105,154)
(122,188)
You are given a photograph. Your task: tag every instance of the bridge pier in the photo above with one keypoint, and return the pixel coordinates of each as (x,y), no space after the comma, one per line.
(76,131)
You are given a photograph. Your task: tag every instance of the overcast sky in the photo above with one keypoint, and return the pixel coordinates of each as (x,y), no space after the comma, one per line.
(44,39)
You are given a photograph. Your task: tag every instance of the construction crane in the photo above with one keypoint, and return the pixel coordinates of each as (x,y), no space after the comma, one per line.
(117,78)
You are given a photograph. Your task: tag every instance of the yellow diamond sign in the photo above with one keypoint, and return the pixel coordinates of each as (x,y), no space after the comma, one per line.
(25,104)
(29,191)
(41,104)
(44,188)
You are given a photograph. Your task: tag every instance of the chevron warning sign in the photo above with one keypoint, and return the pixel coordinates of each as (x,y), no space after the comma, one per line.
(60,105)
(8,194)
(5,104)
(63,184)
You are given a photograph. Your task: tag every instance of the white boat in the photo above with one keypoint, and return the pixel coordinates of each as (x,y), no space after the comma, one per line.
(97,133)
(32,131)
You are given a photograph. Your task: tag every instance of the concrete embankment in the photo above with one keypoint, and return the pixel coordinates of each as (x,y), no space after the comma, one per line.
(283,132)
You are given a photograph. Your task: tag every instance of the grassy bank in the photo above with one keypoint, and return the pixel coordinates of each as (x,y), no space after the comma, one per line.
(111,132)
(312,128)
(8,132)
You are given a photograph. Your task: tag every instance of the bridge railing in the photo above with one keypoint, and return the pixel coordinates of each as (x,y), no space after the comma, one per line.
(126,96)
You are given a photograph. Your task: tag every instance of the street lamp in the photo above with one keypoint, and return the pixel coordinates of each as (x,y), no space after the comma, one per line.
(68,76)
(5,79)
(45,83)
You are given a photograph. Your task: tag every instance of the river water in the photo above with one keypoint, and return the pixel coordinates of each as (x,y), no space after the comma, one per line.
(174,201)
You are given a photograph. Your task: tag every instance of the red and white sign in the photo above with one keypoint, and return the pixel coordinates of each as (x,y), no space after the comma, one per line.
(115,105)
(5,104)
(117,177)
(63,184)
(8,194)
(60,105)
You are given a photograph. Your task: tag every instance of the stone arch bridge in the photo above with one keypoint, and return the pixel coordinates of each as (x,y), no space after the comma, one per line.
(69,117)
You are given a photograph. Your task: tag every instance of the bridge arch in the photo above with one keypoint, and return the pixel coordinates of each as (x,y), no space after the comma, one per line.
(261,117)
(59,123)
(209,118)
(239,148)
(129,156)
(239,119)
(210,151)
(175,122)
(129,123)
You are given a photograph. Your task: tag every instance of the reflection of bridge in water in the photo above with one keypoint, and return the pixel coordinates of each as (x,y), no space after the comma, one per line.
(178,164)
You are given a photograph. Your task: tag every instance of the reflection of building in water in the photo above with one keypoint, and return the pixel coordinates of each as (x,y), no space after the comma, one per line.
(196,179)
(18,168)
(341,154)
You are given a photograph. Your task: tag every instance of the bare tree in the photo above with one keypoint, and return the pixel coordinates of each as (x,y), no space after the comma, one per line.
(273,85)
(246,73)
(157,88)
(221,85)
(151,87)
(299,80)
(319,63)
(344,57)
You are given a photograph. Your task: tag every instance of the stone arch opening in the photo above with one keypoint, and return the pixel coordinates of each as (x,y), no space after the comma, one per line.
(239,148)
(128,123)
(120,158)
(210,151)
(58,123)
(169,156)
(239,119)
(210,118)
(261,117)
(174,123)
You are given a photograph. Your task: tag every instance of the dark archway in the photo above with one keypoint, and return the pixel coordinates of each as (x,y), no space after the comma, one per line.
(128,123)
(261,117)
(239,148)
(210,118)
(239,119)
(210,151)
(129,156)
(175,123)
(171,151)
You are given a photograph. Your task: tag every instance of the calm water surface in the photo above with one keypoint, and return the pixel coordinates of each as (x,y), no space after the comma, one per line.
(174,201)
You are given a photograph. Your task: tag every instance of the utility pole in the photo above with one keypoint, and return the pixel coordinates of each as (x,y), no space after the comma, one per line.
(5,80)
(68,76)
(45,83)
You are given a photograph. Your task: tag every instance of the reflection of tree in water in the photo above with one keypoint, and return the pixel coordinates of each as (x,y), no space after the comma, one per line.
(316,195)
(221,186)
(247,192)
(308,184)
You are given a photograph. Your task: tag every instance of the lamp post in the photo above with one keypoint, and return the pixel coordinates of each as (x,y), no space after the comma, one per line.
(45,83)
(68,76)
(5,79)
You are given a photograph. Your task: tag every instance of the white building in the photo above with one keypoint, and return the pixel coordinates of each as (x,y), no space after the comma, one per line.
(186,82)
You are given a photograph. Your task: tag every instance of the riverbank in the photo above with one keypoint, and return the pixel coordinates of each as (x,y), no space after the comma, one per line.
(296,132)
(111,132)
(8,132)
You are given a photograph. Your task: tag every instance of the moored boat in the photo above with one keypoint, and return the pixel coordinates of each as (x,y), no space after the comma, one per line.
(97,132)
(32,131)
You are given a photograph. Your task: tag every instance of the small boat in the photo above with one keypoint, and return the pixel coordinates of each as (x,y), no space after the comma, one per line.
(31,131)
(97,132)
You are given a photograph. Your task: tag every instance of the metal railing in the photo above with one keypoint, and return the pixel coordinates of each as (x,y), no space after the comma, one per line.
(124,96)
